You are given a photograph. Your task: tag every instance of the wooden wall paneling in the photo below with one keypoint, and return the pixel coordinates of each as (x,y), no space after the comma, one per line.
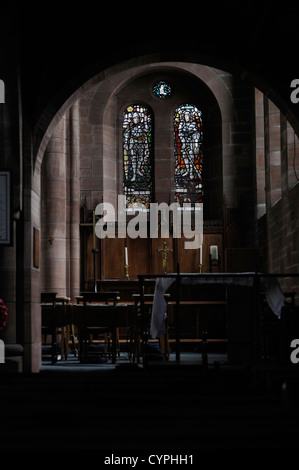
(188,259)
(113,258)
(143,256)
(139,256)
(87,259)
(243,259)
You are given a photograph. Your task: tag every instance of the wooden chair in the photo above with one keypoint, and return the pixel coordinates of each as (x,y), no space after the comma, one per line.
(63,310)
(98,316)
(141,327)
(54,322)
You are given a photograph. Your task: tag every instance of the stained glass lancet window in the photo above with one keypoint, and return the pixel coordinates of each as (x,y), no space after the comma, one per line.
(137,155)
(188,138)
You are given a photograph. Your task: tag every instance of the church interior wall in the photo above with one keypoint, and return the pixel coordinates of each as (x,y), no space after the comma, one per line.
(277,191)
(11,159)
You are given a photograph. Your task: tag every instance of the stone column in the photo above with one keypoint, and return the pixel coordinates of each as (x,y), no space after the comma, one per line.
(73,204)
(53,212)
(60,253)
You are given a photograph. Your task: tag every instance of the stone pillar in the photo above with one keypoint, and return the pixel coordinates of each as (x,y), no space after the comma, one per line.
(239,180)
(60,209)
(272,151)
(272,172)
(73,204)
(53,213)
(260,153)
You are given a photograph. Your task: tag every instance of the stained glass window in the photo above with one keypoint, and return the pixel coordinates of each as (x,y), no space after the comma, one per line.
(188,154)
(162,89)
(137,156)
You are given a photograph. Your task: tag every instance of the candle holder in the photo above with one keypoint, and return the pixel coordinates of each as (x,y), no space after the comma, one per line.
(200,267)
(127,271)
(214,263)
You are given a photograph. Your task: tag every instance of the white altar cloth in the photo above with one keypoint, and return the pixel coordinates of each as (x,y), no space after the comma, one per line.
(274,294)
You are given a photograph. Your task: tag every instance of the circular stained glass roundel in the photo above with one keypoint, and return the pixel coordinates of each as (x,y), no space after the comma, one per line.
(162,89)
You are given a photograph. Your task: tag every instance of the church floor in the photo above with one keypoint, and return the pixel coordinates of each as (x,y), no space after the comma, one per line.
(164,408)
(72,364)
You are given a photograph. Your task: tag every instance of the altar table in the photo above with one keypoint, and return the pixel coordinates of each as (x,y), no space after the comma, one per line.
(273,292)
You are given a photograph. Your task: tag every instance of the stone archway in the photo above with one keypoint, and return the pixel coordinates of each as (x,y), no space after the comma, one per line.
(101,90)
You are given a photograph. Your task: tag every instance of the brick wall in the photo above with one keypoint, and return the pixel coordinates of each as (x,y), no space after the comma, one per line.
(278,227)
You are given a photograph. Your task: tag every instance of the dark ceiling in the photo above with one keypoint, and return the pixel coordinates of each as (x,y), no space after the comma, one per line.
(62,46)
